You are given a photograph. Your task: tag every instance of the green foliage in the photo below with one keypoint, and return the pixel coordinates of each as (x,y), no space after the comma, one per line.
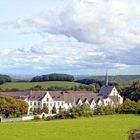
(49,118)
(10,107)
(37,111)
(96,82)
(22,106)
(119,79)
(4,79)
(54,110)
(45,109)
(129,107)
(37,87)
(105,110)
(53,77)
(83,110)
(132,92)
(37,118)
(134,134)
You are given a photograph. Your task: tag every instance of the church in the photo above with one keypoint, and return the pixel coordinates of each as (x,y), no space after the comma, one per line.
(66,99)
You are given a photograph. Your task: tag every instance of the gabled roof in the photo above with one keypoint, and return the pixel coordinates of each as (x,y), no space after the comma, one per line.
(37,95)
(76,100)
(105,90)
(57,95)
(17,94)
(99,99)
(70,96)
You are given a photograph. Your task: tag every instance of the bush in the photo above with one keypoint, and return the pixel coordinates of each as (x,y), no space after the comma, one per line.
(134,134)
(49,118)
(129,107)
(37,117)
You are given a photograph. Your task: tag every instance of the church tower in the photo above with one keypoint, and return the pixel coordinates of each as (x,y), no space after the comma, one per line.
(106,79)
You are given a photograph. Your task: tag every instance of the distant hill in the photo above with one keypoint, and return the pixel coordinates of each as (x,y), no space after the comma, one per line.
(119,79)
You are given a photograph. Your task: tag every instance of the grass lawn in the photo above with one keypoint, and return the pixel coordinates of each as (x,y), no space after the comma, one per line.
(28,85)
(113,127)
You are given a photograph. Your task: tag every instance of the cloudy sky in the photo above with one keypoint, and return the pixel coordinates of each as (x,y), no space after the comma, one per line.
(69,36)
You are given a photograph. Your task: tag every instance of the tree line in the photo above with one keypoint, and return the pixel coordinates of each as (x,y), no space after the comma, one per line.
(5,78)
(53,77)
(95,81)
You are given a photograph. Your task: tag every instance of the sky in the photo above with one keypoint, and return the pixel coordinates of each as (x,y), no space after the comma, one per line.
(80,37)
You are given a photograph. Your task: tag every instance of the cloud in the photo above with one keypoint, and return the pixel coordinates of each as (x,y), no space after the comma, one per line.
(84,34)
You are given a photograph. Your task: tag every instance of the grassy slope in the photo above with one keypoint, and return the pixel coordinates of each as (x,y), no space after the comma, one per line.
(28,85)
(120,79)
(113,127)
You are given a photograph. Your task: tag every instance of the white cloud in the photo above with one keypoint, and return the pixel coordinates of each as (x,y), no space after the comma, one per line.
(91,34)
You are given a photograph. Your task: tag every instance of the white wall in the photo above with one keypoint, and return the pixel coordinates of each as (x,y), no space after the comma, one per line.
(108,101)
(114,92)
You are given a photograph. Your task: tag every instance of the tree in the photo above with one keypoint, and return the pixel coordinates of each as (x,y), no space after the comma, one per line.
(132,92)
(10,107)
(84,110)
(53,77)
(129,107)
(22,106)
(37,111)
(37,87)
(45,109)
(54,110)
(4,78)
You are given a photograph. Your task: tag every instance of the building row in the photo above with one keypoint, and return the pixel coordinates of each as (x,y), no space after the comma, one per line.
(58,99)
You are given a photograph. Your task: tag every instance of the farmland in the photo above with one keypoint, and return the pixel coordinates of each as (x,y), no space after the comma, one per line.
(113,127)
(28,85)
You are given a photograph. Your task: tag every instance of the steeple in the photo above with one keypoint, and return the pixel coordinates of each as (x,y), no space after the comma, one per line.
(106,79)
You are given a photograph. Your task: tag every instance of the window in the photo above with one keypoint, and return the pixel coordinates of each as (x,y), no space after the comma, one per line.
(35,103)
(30,103)
(31,109)
(58,103)
(47,99)
(38,103)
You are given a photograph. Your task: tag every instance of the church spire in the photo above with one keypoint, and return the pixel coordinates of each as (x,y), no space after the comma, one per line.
(106,79)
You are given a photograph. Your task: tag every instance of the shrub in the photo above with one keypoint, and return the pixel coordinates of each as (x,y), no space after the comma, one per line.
(49,118)
(134,134)
(45,109)
(129,107)
(54,110)
(37,117)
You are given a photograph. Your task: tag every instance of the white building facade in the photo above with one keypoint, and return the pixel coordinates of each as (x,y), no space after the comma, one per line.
(65,100)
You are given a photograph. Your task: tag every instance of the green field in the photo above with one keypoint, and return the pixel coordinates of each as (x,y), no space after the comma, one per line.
(113,127)
(28,85)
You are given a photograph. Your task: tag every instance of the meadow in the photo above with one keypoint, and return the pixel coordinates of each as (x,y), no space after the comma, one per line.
(28,85)
(113,127)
